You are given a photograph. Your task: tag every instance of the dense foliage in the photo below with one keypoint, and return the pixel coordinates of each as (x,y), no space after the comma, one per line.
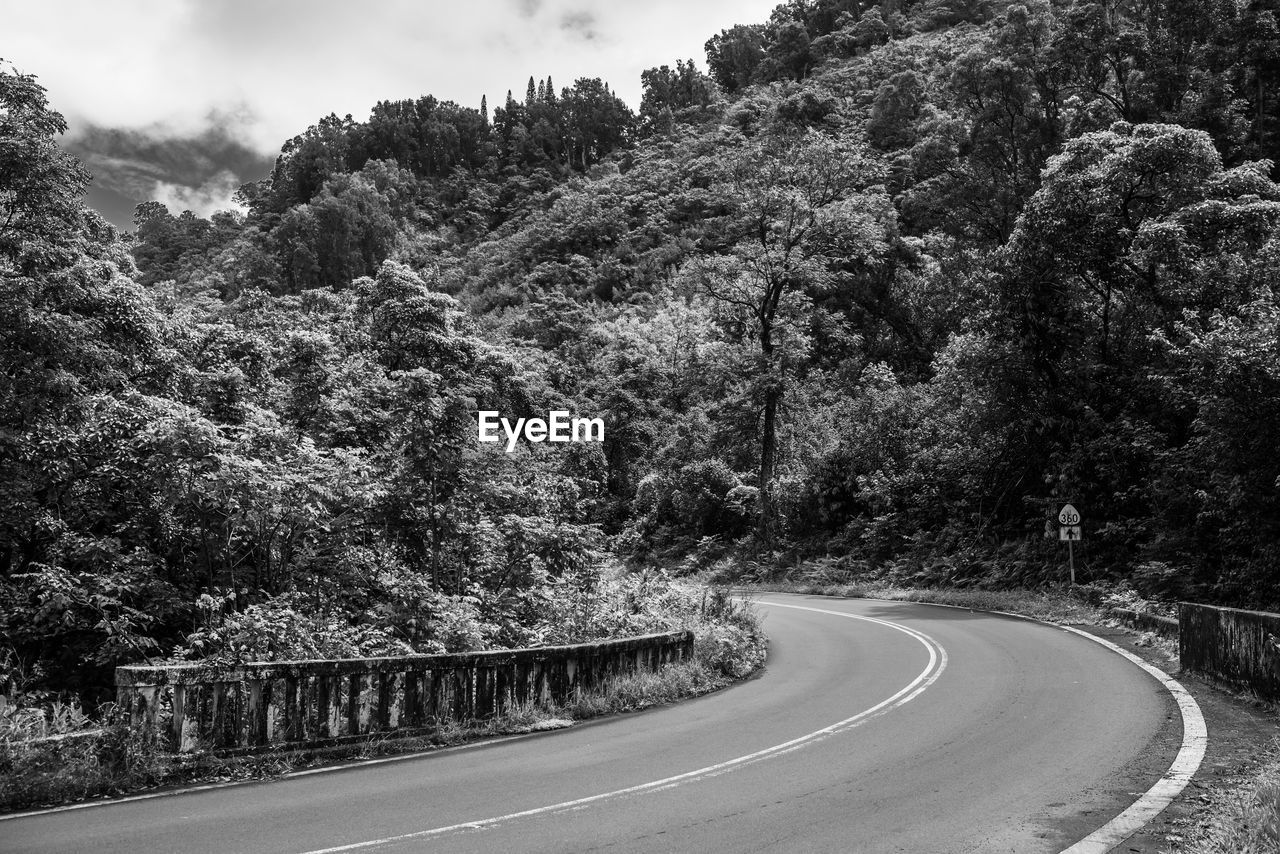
(889,283)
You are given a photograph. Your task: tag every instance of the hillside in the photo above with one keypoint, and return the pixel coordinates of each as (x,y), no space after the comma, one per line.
(883,287)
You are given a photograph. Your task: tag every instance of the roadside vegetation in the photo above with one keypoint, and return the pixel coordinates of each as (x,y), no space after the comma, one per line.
(1060,605)
(887,286)
(1055,603)
(1245,820)
(59,754)
(871,294)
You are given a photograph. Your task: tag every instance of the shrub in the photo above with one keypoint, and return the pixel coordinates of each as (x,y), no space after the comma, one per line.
(280,630)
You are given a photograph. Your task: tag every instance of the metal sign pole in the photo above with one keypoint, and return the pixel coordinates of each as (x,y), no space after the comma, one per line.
(1069,519)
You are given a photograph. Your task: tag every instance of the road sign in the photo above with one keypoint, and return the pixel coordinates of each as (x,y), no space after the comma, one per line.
(1070,533)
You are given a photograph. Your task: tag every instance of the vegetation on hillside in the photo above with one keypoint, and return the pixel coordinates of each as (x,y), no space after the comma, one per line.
(885,285)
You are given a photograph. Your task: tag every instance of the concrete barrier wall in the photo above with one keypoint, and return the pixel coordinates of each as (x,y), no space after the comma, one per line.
(292,704)
(1240,649)
(1142,621)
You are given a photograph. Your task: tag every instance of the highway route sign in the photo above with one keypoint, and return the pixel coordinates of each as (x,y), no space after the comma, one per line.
(1069,533)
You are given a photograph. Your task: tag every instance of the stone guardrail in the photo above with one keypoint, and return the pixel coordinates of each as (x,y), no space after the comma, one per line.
(1238,648)
(302,704)
(1141,620)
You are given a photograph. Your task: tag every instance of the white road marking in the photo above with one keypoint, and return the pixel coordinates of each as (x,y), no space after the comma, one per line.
(1195,736)
(937,663)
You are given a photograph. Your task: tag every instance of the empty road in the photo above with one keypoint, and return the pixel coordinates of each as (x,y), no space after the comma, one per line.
(876,726)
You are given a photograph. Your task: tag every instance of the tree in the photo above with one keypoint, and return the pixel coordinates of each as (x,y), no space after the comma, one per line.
(734,55)
(304,164)
(1220,504)
(1010,92)
(347,230)
(78,339)
(897,106)
(42,184)
(1105,248)
(1133,231)
(72,324)
(794,209)
(788,53)
(672,91)
(596,122)
(430,138)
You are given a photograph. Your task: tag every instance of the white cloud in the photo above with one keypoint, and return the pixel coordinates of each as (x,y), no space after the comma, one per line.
(265,71)
(211,196)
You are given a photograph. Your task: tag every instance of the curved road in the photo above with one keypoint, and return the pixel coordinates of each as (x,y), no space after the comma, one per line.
(948,731)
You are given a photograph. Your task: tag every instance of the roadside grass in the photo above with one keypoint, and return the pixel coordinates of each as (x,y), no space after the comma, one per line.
(642,690)
(54,759)
(1150,640)
(1052,605)
(70,764)
(1245,820)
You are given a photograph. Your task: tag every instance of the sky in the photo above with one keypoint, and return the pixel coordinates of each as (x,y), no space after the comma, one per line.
(182,101)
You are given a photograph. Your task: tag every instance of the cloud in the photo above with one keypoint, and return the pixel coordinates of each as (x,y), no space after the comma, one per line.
(197,173)
(128,158)
(259,74)
(180,67)
(580,23)
(210,197)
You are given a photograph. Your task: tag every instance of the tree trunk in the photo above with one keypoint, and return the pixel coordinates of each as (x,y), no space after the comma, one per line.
(435,536)
(768,432)
(768,452)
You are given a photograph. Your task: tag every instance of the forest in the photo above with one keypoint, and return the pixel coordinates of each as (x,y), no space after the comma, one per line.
(878,290)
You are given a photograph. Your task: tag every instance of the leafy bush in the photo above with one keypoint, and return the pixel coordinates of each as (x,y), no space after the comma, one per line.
(281,630)
(75,763)
(699,499)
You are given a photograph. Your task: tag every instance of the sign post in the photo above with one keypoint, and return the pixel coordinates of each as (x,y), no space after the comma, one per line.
(1069,520)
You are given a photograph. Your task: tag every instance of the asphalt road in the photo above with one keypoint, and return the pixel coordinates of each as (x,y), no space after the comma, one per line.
(951,731)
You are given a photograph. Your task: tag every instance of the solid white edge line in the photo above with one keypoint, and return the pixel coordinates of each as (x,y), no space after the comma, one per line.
(933,670)
(1195,737)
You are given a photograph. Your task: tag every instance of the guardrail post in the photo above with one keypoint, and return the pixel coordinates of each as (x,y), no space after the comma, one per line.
(262,705)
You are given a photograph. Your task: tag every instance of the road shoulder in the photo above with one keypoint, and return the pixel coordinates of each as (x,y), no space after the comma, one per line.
(1242,737)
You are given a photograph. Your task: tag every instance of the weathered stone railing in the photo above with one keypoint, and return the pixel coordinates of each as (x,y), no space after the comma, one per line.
(289,704)
(1141,620)
(1238,648)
